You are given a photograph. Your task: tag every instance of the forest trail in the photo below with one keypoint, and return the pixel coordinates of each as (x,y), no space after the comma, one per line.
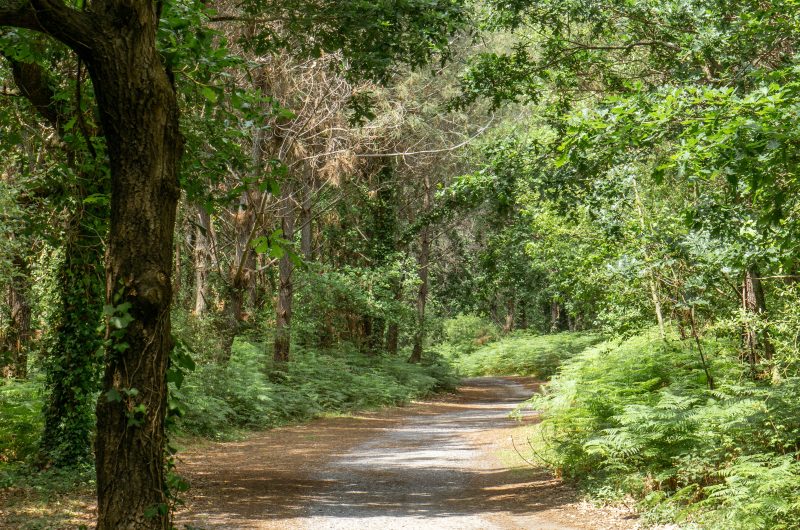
(447,464)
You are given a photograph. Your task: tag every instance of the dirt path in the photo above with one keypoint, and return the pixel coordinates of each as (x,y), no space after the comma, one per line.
(438,465)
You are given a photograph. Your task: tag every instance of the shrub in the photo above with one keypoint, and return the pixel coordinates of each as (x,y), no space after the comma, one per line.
(638,417)
(21,419)
(249,392)
(525,354)
(464,334)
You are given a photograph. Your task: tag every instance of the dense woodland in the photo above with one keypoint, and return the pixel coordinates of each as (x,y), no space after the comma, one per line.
(221,217)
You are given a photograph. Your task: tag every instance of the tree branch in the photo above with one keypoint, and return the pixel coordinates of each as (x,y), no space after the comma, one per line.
(34,84)
(52,17)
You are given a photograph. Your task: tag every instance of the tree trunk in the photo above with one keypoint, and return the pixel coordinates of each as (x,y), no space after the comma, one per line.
(283,319)
(139,114)
(14,349)
(392,338)
(758,347)
(201,261)
(508,326)
(651,276)
(523,316)
(72,366)
(376,335)
(393,329)
(423,261)
(305,219)
(555,316)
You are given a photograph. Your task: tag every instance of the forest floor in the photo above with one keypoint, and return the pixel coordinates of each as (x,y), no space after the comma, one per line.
(444,464)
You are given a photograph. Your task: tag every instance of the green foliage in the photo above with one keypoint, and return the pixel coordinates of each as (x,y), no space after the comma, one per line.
(330,300)
(463,334)
(637,417)
(21,420)
(522,353)
(246,393)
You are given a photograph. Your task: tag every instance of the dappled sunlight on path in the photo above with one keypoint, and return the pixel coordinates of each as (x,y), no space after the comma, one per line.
(432,465)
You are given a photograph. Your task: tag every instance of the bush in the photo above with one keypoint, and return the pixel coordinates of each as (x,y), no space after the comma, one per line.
(638,418)
(464,334)
(21,419)
(525,354)
(249,392)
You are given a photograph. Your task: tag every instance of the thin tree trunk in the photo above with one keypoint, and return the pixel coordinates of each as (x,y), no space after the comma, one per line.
(178,275)
(305,218)
(14,349)
(651,277)
(555,316)
(201,260)
(754,303)
(393,329)
(423,261)
(283,319)
(508,326)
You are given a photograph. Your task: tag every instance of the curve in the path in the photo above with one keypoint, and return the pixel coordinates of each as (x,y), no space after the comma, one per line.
(430,466)
(426,473)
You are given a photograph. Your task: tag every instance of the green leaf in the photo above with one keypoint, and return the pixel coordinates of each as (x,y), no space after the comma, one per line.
(210,94)
(112,395)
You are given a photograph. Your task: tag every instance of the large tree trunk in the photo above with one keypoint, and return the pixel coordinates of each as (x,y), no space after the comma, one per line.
(423,261)
(283,318)
(139,114)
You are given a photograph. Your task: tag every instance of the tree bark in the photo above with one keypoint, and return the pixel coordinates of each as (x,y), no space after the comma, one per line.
(72,366)
(305,218)
(758,346)
(14,349)
(201,261)
(555,316)
(423,262)
(283,319)
(508,327)
(652,282)
(139,113)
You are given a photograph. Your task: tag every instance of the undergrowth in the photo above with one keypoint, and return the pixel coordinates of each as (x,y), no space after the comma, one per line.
(21,419)
(639,418)
(522,353)
(248,392)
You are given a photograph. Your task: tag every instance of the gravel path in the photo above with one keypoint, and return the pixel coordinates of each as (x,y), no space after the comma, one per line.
(423,473)
(444,465)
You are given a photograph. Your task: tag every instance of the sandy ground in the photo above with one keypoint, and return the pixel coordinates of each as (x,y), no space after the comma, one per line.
(447,464)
